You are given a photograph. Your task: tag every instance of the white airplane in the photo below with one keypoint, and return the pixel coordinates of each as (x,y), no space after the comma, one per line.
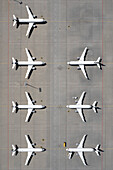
(30,149)
(30,107)
(30,63)
(80,150)
(82,63)
(32,21)
(80,106)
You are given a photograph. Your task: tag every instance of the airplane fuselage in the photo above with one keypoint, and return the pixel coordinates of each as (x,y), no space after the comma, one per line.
(80,150)
(79,106)
(31,107)
(31,149)
(35,63)
(27,21)
(76,63)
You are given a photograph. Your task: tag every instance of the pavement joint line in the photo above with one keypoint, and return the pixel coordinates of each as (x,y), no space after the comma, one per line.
(102,90)
(8,91)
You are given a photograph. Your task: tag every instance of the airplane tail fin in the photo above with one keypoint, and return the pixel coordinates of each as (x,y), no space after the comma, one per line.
(15,21)
(97,150)
(14,150)
(15,107)
(99,63)
(14,63)
(95,106)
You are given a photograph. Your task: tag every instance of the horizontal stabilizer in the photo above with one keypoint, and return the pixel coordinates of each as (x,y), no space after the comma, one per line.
(97,150)
(95,107)
(15,107)
(14,150)
(15,21)
(99,63)
(70,155)
(14,63)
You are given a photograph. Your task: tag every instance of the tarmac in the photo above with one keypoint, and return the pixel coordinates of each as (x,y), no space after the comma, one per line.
(71,26)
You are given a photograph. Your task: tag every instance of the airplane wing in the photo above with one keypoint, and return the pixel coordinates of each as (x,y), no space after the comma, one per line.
(81,145)
(28,71)
(29,12)
(29,98)
(28,55)
(80,111)
(30,26)
(30,111)
(29,114)
(82,58)
(84,71)
(29,156)
(80,101)
(81,154)
(28,140)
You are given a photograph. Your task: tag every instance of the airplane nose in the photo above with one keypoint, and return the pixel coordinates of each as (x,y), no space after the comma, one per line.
(44,21)
(43,63)
(68,62)
(43,149)
(67,106)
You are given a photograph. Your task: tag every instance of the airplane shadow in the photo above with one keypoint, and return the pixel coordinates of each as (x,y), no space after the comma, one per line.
(84,140)
(36,16)
(100,149)
(72,154)
(83,97)
(30,96)
(29,160)
(30,74)
(102,65)
(30,116)
(30,53)
(98,108)
(30,32)
(85,159)
(35,27)
(86,54)
(32,71)
(83,152)
(30,139)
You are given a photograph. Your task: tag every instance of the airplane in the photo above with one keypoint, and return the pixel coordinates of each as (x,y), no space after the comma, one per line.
(30,63)
(80,150)
(30,107)
(80,106)
(82,63)
(32,21)
(30,149)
